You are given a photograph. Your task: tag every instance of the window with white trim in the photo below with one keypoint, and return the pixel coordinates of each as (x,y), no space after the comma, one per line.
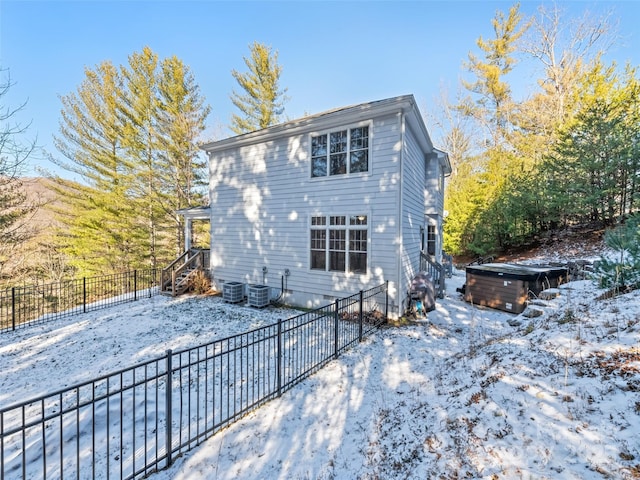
(340,153)
(338,244)
(431,239)
(318,243)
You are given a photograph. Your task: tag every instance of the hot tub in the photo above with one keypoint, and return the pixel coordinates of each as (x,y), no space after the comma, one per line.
(508,286)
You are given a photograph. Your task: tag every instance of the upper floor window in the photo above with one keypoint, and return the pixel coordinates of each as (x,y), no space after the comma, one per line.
(340,153)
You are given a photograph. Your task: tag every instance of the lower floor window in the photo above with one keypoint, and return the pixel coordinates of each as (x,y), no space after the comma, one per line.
(318,249)
(358,251)
(346,248)
(337,250)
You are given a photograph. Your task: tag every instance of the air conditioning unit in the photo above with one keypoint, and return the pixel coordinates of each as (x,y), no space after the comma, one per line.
(232,292)
(258,296)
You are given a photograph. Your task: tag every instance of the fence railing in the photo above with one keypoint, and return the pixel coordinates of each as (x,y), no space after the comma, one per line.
(35,304)
(133,422)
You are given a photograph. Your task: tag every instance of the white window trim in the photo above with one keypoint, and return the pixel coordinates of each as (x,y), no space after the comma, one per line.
(328,132)
(347,228)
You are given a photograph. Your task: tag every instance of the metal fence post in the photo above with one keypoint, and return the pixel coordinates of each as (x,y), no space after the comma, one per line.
(360,317)
(279,359)
(386,302)
(13,308)
(169,406)
(84,294)
(335,329)
(135,284)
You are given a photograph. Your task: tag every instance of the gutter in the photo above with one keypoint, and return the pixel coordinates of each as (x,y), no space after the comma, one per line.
(314,122)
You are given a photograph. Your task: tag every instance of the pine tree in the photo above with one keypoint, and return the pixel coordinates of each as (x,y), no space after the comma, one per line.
(623,269)
(97,213)
(464,199)
(592,170)
(130,134)
(262,103)
(564,48)
(181,120)
(141,141)
(492,104)
(484,218)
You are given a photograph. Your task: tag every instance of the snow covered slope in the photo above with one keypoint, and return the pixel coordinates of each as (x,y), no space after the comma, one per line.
(466,393)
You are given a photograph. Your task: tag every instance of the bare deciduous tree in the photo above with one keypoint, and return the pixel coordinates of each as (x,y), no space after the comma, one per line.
(14,208)
(564,47)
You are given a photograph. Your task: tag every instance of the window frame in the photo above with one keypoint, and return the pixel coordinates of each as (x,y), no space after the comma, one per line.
(318,243)
(352,149)
(344,238)
(431,239)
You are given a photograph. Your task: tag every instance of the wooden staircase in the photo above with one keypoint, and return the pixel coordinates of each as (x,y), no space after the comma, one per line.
(436,271)
(177,278)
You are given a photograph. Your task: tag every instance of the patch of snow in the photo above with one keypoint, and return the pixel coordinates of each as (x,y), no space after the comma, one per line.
(461,393)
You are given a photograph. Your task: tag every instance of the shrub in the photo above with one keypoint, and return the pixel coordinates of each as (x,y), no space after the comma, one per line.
(200,283)
(624,269)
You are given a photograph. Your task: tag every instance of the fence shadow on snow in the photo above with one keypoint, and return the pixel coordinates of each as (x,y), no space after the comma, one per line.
(135,421)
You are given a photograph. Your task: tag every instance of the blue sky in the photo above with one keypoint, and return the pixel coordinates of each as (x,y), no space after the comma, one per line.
(333,53)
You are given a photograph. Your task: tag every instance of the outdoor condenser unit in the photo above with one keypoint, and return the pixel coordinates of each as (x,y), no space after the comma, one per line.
(258,296)
(232,292)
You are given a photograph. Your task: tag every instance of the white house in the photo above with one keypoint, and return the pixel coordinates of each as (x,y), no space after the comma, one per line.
(329,204)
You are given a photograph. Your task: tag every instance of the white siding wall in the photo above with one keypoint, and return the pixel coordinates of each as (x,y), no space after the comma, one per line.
(434,197)
(262,198)
(413,209)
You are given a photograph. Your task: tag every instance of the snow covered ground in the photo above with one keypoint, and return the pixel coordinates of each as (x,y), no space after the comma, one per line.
(462,394)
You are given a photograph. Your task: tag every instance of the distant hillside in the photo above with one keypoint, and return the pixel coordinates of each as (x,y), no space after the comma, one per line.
(39,192)
(35,260)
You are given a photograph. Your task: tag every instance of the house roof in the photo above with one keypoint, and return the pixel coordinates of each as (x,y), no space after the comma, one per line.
(195,213)
(404,103)
(444,161)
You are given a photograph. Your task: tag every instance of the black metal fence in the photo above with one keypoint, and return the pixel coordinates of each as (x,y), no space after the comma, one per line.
(34,304)
(133,422)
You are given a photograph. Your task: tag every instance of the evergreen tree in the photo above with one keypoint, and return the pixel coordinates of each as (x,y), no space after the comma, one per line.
(622,270)
(522,175)
(130,134)
(96,214)
(593,167)
(564,47)
(141,110)
(262,103)
(463,203)
(181,121)
(492,104)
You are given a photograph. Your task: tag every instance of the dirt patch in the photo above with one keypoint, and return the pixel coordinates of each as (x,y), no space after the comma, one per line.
(573,243)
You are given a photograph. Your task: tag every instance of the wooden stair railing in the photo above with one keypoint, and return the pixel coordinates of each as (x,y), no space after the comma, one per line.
(175,279)
(435,270)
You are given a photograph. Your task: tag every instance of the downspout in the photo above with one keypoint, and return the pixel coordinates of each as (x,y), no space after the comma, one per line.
(445,175)
(400,280)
